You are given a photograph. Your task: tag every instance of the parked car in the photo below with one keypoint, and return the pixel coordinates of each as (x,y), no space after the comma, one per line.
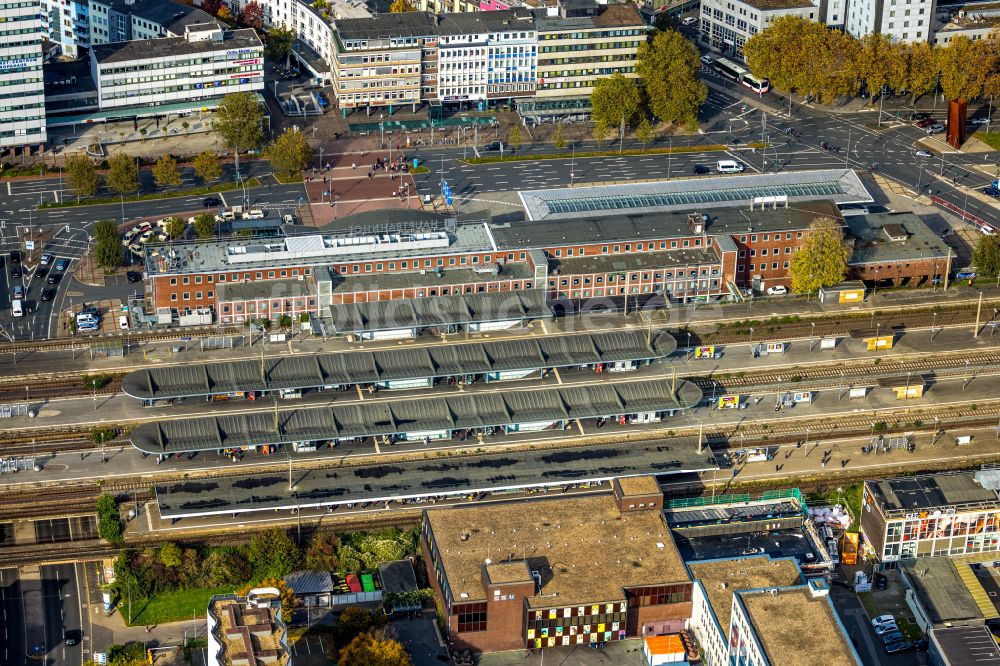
(707,59)
(991,192)
(926,122)
(886,628)
(881,581)
(701,170)
(924,153)
(133,276)
(979,121)
(892,637)
(965,275)
(883,619)
(212,202)
(919,115)
(689,20)
(934,129)
(778,290)
(494,146)
(15,256)
(896,648)
(46,259)
(18,291)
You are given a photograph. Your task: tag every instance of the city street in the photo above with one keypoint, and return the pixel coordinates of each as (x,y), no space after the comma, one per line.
(12,636)
(61,599)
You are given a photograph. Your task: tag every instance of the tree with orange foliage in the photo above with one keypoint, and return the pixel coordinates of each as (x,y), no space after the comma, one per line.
(366,650)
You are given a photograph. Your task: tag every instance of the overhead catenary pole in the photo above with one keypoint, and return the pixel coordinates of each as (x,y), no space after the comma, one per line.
(979,311)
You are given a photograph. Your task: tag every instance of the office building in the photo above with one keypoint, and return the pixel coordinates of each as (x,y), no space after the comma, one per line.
(206,62)
(560,571)
(759,610)
(726,25)
(247,631)
(900,21)
(22,100)
(75,25)
(950,513)
(575,51)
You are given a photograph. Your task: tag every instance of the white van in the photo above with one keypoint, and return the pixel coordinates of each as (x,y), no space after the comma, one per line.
(729,166)
(16,308)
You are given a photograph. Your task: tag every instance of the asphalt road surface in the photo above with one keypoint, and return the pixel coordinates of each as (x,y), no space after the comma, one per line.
(61,601)
(12,645)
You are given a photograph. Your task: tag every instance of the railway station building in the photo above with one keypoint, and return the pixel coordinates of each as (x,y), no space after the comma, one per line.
(559,571)
(949,513)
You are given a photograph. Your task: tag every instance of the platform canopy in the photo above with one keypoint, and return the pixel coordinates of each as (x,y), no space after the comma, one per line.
(415,415)
(368,367)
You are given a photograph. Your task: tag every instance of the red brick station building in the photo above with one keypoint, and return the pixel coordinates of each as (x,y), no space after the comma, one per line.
(680,240)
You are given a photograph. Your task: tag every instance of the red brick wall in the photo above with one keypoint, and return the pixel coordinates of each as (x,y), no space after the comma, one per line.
(755,242)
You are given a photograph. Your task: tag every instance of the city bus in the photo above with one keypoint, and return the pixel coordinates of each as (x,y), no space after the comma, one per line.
(731,70)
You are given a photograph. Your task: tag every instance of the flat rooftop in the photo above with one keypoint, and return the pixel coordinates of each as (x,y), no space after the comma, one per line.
(404,479)
(940,589)
(262,289)
(968,645)
(723,578)
(777,5)
(585,549)
(145,49)
(424,24)
(797,629)
(930,491)
(886,237)
(445,277)
(638,486)
(570,266)
(837,185)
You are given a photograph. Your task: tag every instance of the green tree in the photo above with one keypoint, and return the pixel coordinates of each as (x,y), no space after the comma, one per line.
(290,153)
(227,567)
(514,137)
(123,174)
(668,67)
(822,259)
(986,257)
(284,321)
(558,140)
(171,555)
(206,165)
(366,650)
(204,226)
(353,622)
(109,522)
(239,120)
(273,554)
(175,227)
(322,552)
(922,70)
(776,53)
(279,43)
(877,57)
(965,65)
(615,101)
(401,6)
(644,132)
(166,173)
(107,248)
(81,176)
(600,133)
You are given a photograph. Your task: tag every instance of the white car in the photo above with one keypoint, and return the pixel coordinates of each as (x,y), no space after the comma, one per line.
(707,59)
(979,121)
(883,619)
(887,628)
(688,20)
(924,153)
(779,290)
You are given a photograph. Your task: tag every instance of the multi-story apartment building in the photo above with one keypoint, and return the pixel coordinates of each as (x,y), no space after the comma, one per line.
(900,20)
(22,88)
(412,57)
(726,25)
(313,28)
(206,62)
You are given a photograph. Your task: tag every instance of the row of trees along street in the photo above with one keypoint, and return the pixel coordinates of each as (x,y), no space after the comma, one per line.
(807,58)
(667,88)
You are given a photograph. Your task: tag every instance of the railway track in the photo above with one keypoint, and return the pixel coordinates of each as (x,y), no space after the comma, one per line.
(81,341)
